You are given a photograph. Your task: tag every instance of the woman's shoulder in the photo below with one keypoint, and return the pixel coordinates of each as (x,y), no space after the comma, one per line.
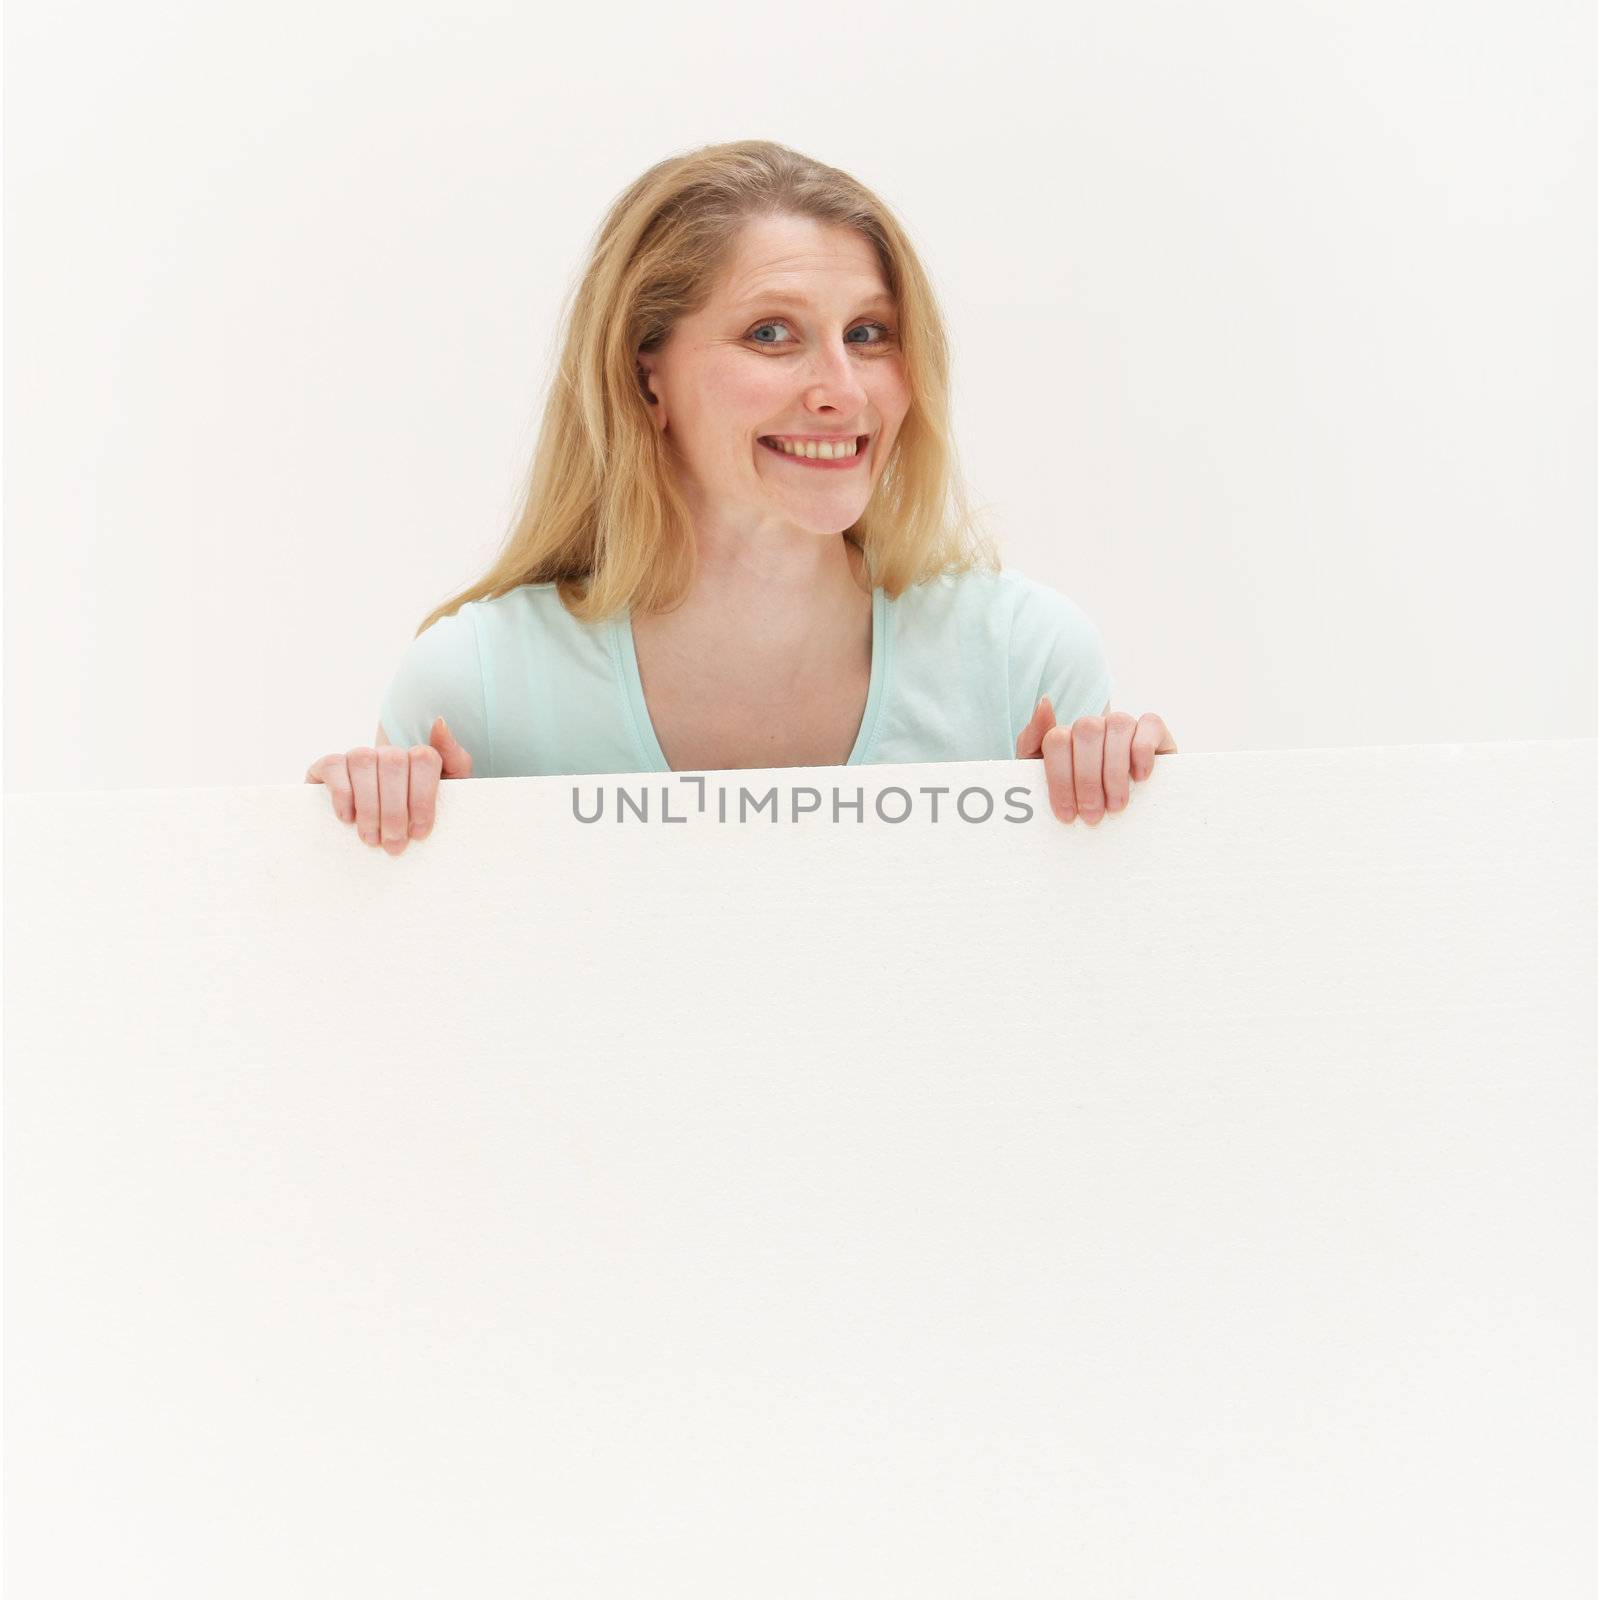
(998,601)
(529,607)
(465,644)
(1055,648)
(524,597)
(1006,616)
(1040,608)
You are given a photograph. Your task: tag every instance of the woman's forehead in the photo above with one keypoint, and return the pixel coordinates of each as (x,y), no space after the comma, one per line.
(824,263)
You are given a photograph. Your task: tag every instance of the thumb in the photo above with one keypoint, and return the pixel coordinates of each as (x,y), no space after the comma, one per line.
(457,759)
(1030,742)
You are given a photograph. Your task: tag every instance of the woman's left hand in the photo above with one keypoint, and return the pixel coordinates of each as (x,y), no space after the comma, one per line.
(1090,766)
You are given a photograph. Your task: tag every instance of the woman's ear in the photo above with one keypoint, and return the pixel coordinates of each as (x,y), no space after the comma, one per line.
(644,368)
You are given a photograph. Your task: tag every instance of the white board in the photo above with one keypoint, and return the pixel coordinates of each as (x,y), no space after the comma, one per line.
(1199,1204)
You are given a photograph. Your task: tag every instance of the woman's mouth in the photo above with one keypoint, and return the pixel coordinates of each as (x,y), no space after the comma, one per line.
(835,455)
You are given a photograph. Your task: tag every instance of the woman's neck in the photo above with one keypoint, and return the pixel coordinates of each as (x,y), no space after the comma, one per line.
(771,625)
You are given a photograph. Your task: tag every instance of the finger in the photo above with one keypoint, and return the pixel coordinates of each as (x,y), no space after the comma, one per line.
(393,794)
(457,759)
(426,765)
(363,783)
(1087,764)
(1057,773)
(1029,743)
(1151,739)
(332,771)
(1119,727)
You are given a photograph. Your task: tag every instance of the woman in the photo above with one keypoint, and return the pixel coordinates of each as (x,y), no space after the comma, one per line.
(734,549)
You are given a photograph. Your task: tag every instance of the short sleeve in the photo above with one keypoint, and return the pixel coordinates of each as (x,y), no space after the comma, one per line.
(1055,650)
(441,675)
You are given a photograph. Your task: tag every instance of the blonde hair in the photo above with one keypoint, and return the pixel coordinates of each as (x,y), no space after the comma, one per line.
(600,516)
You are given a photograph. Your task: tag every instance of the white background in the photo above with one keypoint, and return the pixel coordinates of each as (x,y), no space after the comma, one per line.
(1274,328)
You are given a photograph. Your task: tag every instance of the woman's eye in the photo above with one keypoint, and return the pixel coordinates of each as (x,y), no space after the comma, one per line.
(886,332)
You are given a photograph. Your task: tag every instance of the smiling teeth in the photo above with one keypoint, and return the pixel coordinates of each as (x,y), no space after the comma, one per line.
(816,452)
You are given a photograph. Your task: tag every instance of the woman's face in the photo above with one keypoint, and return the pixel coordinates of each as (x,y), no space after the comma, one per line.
(800,337)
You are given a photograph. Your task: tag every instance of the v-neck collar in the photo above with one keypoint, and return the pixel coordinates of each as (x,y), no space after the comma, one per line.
(624,655)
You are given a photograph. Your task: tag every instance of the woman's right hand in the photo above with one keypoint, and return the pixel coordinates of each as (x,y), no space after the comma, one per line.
(388,792)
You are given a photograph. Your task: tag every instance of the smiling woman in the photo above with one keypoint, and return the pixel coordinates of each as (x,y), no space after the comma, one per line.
(744,540)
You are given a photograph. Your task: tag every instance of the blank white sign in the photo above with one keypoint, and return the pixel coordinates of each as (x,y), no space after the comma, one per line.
(1198,1204)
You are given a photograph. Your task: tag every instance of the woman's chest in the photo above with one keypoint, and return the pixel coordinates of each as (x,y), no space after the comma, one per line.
(705,721)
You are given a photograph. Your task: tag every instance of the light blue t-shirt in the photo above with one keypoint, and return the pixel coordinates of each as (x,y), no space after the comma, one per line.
(958,664)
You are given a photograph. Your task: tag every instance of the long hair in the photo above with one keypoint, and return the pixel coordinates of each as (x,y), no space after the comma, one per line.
(600,516)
